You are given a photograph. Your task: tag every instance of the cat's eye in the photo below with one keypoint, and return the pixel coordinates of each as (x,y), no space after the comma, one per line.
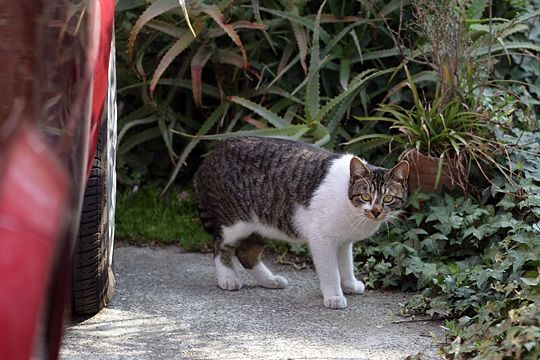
(365,197)
(388,199)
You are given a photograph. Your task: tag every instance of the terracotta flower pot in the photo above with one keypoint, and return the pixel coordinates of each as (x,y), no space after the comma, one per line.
(423,172)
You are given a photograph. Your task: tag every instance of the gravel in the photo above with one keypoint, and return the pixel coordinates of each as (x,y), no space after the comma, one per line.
(168,306)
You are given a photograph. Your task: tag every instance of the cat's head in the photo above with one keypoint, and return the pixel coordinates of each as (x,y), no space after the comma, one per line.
(380,193)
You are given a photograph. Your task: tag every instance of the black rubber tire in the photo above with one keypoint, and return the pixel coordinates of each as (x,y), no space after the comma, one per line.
(93,278)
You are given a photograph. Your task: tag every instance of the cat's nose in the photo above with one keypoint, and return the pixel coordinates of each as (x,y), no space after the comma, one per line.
(376,212)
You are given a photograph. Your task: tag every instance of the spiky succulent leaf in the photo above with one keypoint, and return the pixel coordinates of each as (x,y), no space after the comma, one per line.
(313,84)
(266,114)
(178,47)
(155,9)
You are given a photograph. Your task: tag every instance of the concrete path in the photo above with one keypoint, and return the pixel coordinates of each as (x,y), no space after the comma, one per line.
(168,306)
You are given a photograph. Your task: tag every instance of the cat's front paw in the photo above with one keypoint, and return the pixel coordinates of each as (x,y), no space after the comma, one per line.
(229,283)
(275,282)
(356,287)
(335,302)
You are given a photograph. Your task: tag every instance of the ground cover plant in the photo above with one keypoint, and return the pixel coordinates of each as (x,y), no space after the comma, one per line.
(477,266)
(474,256)
(455,80)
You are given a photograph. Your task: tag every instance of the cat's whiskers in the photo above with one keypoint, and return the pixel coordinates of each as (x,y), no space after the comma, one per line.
(354,224)
(358,224)
(387,227)
(392,220)
(352,219)
(396,220)
(395,217)
(361,223)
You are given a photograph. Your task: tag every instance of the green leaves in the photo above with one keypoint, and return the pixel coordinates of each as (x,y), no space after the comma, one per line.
(288,132)
(266,114)
(193,49)
(301,20)
(356,84)
(477,262)
(203,130)
(506,47)
(312,89)
(476,9)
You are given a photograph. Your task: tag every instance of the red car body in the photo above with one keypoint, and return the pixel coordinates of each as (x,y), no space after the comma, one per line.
(54,61)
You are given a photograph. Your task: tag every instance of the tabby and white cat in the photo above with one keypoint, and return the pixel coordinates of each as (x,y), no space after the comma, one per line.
(251,189)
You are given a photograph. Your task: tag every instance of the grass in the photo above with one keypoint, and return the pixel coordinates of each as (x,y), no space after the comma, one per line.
(144,217)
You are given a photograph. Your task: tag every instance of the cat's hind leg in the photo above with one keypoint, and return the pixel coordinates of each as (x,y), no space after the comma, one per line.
(225,245)
(249,253)
(226,275)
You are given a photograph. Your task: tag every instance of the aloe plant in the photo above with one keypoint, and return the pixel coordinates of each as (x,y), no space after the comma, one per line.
(249,58)
(200,28)
(314,119)
(319,121)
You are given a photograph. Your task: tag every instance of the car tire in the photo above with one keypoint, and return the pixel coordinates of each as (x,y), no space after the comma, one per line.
(93,277)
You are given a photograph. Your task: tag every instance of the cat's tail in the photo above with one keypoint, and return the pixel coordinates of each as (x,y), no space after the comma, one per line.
(206,216)
(207,220)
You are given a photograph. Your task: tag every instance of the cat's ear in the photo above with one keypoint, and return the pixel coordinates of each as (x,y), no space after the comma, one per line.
(400,172)
(358,168)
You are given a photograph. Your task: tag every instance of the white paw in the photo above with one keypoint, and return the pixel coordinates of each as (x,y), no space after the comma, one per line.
(275,282)
(226,276)
(357,287)
(230,283)
(335,302)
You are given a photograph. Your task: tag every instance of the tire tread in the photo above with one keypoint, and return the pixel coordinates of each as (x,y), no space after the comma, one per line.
(93,281)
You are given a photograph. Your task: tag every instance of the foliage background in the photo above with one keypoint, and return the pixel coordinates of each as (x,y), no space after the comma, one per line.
(455,79)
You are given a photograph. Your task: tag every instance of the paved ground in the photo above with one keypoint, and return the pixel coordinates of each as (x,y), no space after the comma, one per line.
(167,306)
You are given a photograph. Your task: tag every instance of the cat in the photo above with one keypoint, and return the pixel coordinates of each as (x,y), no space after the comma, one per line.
(251,189)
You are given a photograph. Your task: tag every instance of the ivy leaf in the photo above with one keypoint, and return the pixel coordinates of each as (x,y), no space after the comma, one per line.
(434,243)
(520,257)
(483,276)
(481,232)
(530,281)
(474,214)
(525,238)
(447,221)
(506,203)
(418,217)
(416,197)
(412,234)
(504,221)
(532,200)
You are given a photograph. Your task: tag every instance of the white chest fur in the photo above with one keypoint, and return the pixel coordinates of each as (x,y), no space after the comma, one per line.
(330,214)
